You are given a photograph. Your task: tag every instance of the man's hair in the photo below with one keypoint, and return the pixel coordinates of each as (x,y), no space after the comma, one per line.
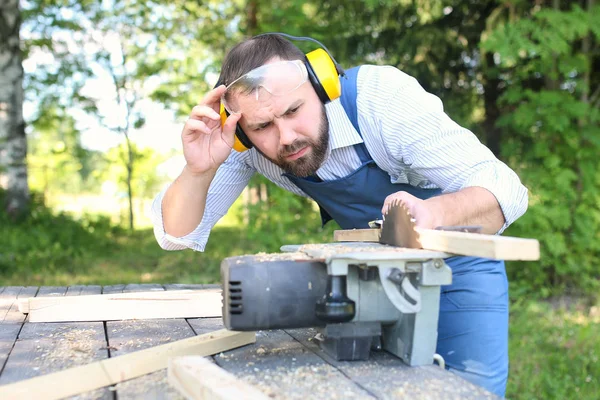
(255,52)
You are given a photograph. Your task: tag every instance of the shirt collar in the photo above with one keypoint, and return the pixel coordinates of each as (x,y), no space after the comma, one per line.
(341,130)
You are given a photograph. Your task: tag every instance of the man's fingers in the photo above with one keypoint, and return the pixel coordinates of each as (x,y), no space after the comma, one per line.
(193,126)
(202,111)
(228,131)
(398,197)
(214,96)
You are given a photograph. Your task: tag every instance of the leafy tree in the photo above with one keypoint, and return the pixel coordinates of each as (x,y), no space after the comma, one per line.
(57,161)
(548,57)
(145,180)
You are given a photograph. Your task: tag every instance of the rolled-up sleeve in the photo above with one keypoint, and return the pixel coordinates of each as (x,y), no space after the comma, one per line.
(231,178)
(420,135)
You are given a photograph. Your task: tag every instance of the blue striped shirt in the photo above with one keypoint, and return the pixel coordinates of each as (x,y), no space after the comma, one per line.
(406,133)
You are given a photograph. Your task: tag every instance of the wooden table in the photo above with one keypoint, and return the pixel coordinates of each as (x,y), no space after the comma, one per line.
(285,364)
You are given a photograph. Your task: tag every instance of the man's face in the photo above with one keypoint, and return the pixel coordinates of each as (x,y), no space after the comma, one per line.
(292,131)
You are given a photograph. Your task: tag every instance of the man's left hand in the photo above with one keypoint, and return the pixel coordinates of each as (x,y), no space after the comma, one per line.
(424,215)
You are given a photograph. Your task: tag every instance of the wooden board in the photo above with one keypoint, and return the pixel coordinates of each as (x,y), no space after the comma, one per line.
(44,348)
(147,305)
(480,245)
(11,320)
(198,378)
(126,337)
(282,368)
(385,376)
(119,369)
(25,304)
(456,243)
(357,235)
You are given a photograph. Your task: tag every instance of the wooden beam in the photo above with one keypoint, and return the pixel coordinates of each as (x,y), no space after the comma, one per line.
(23,303)
(144,305)
(73,381)
(197,378)
(479,245)
(357,235)
(460,243)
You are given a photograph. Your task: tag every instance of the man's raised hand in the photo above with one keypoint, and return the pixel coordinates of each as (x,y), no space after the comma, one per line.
(207,144)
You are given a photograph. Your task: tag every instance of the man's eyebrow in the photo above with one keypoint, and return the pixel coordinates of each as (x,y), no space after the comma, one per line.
(258,124)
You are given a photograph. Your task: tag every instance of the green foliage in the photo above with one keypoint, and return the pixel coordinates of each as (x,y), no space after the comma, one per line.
(553,143)
(145,181)
(57,161)
(47,243)
(275,217)
(553,351)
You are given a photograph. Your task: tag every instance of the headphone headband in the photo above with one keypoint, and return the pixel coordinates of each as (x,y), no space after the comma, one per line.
(338,67)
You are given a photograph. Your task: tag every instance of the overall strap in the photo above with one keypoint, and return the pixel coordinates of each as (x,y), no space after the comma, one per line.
(348,100)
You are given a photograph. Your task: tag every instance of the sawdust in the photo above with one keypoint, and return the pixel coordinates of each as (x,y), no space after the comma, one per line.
(150,386)
(77,346)
(328,250)
(315,381)
(266,257)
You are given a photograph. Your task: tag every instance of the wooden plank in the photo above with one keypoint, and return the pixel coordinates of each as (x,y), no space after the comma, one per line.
(461,243)
(9,300)
(126,337)
(357,235)
(111,307)
(11,320)
(280,366)
(183,286)
(142,287)
(40,302)
(83,290)
(129,336)
(197,378)
(45,348)
(119,369)
(479,245)
(386,376)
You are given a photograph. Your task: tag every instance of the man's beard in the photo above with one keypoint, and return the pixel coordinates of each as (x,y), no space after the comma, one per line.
(307,164)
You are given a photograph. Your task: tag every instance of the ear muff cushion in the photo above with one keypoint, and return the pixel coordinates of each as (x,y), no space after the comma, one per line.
(323,75)
(241,142)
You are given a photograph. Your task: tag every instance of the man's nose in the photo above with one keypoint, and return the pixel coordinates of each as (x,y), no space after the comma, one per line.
(287,135)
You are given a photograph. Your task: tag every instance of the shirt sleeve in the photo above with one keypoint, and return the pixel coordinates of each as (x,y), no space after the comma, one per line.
(229,181)
(418,134)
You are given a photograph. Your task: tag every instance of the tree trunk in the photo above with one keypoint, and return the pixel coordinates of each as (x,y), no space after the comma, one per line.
(493,135)
(252,18)
(129,178)
(13,142)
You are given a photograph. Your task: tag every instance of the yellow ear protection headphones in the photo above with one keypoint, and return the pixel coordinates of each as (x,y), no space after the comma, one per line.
(323,74)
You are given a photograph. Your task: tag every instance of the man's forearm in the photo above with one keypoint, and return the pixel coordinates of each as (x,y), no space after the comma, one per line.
(184,202)
(469,206)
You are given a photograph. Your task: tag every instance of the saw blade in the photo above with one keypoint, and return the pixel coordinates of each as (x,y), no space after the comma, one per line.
(398,228)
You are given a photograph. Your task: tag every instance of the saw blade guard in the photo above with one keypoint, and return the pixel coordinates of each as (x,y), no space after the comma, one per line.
(400,298)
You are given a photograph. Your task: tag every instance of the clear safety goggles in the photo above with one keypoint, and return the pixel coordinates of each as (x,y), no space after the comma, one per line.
(260,84)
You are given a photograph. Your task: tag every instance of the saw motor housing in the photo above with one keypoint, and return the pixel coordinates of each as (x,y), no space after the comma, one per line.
(358,300)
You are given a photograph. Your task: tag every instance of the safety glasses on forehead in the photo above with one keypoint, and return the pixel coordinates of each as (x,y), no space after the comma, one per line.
(275,79)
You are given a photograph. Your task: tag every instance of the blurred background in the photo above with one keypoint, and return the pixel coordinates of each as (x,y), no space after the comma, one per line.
(94,94)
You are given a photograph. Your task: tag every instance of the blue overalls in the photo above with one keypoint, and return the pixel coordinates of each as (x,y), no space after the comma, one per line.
(473,321)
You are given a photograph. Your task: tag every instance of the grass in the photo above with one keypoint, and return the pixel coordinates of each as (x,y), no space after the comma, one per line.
(554,350)
(137,258)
